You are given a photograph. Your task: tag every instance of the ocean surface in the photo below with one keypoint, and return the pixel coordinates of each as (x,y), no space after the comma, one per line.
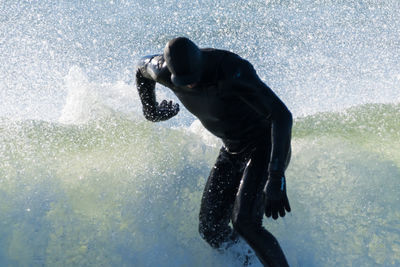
(85,180)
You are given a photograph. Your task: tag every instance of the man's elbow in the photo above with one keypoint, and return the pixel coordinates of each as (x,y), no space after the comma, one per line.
(283,117)
(141,67)
(289,118)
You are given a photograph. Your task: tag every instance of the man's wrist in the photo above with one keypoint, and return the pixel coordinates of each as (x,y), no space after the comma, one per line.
(276,167)
(145,85)
(276,175)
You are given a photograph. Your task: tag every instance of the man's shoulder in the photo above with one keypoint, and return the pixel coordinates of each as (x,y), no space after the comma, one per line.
(233,66)
(222,53)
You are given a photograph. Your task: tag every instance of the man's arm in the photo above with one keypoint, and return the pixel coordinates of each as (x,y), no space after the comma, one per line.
(149,71)
(261,98)
(245,83)
(275,197)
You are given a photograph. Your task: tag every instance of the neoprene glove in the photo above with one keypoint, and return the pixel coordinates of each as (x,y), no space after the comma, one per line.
(163,111)
(276,200)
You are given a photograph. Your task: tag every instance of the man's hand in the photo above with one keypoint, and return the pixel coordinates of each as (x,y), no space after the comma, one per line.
(160,112)
(165,110)
(276,200)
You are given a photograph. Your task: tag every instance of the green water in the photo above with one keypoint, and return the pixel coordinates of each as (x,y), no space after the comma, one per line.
(117,192)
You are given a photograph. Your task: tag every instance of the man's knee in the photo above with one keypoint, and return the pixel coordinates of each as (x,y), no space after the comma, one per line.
(214,235)
(244,226)
(238,224)
(208,235)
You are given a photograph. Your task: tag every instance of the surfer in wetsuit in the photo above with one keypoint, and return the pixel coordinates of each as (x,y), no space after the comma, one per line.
(248,179)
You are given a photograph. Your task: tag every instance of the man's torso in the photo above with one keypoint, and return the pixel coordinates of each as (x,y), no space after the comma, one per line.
(223,113)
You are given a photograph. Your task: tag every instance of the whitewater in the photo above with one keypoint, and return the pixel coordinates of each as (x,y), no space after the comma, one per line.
(85,180)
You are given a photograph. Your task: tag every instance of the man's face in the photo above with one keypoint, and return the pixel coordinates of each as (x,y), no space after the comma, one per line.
(191,86)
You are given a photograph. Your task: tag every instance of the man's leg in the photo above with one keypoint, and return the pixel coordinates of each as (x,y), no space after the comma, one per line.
(249,209)
(218,198)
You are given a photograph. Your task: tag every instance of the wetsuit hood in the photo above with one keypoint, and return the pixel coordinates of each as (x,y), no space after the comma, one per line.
(184,61)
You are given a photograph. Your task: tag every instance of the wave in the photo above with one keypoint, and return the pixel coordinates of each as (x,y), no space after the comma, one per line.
(118,191)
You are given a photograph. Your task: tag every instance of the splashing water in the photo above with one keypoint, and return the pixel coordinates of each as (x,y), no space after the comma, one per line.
(85,180)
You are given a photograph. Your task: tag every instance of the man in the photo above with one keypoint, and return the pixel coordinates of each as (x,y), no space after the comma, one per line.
(224,92)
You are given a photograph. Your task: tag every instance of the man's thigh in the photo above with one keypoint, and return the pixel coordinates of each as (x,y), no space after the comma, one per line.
(221,188)
(249,198)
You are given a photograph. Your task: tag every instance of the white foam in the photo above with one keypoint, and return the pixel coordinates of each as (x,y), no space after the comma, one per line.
(210,140)
(80,99)
(88,101)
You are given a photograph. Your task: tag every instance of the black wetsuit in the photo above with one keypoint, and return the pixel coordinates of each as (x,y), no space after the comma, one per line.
(255,126)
